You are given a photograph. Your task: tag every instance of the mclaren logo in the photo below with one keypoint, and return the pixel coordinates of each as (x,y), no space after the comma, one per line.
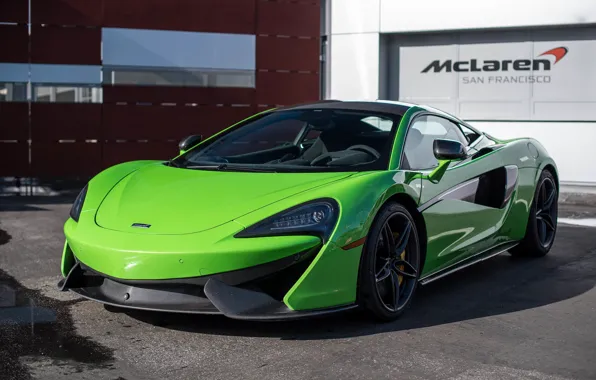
(140,225)
(474,65)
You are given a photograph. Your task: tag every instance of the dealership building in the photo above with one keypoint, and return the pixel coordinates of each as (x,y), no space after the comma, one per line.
(107,81)
(512,68)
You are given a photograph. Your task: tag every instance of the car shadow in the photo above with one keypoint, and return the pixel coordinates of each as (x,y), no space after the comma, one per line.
(497,286)
(33,203)
(4,237)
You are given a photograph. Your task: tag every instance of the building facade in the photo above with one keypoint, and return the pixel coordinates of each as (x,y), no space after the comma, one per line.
(512,68)
(87,84)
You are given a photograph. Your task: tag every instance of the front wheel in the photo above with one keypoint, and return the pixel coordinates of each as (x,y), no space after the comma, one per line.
(390,265)
(542,221)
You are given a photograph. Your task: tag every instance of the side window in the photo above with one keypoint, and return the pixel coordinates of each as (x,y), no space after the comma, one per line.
(418,149)
(381,123)
(471,136)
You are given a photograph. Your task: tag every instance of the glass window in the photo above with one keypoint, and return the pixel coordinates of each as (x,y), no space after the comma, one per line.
(67,94)
(382,123)
(471,135)
(418,149)
(231,79)
(179,77)
(178,49)
(13,92)
(300,140)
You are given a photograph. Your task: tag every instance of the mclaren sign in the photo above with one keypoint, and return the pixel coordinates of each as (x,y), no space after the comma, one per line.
(500,66)
(474,65)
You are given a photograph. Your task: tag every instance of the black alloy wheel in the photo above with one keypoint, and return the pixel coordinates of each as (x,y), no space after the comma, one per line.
(546,212)
(542,220)
(390,266)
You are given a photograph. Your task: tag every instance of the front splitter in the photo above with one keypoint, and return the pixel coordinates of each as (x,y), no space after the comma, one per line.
(215,297)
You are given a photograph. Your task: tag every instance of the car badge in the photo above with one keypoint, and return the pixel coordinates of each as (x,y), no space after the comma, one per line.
(141,225)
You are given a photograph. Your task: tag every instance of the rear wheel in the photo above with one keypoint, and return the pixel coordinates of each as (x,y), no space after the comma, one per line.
(542,221)
(390,265)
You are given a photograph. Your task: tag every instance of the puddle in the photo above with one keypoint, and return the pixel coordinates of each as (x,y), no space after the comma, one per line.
(36,328)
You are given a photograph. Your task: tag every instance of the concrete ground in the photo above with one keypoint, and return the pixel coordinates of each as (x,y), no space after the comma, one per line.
(502,319)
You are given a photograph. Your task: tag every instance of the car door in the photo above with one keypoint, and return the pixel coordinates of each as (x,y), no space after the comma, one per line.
(462,209)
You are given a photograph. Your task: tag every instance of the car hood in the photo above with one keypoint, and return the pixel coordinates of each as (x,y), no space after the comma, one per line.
(167,200)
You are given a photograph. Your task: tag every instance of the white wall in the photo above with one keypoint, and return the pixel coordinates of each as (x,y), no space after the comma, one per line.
(354,49)
(428,15)
(350,19)
(566,91)
(354,66)
(570,144)
(354,60)
(355,16)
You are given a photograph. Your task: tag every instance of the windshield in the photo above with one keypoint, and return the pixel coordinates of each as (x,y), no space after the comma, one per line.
(300,140)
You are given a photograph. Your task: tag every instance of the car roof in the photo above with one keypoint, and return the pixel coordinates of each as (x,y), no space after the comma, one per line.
(379,105)
(395,108)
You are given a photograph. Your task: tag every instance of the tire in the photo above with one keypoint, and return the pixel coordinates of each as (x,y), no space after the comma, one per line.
(381,264)
(540,221)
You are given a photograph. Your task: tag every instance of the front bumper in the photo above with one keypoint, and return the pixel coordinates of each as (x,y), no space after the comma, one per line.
(254,293)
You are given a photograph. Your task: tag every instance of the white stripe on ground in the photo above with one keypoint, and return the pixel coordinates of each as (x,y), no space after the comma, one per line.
(589,222)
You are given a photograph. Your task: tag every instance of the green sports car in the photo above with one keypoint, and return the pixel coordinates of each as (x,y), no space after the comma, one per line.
(308,210)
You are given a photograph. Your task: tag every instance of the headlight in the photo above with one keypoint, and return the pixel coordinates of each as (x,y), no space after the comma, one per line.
(77,206)
(312,218)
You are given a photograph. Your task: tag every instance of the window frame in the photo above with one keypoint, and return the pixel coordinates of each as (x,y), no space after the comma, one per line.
(453,120)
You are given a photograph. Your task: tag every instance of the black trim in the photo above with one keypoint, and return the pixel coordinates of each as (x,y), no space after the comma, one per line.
(239,303)
(493,189)
(465,191)
(234,277)
(531,121)
(389,108)
(480,256)
(247,301)
(486,150)
(511,176)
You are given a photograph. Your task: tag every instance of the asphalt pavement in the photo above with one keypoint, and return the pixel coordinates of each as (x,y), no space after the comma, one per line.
(502,319)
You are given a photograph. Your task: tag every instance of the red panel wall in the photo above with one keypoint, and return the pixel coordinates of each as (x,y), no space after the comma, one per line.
(17,157)
(76,46)
(14,43)
(67,12)
(60,160)
(164,94)
(14,11)
(51,122)
(226,16)
(14,121)
(274,53)
(287,65)
(131,122)
(116,152)
(221,16)
(288,18)
(64,121)
(286,88)
(277,54)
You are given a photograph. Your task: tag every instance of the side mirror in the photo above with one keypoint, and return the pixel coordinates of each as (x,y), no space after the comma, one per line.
(189,142)
(448,150)
(445,151)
